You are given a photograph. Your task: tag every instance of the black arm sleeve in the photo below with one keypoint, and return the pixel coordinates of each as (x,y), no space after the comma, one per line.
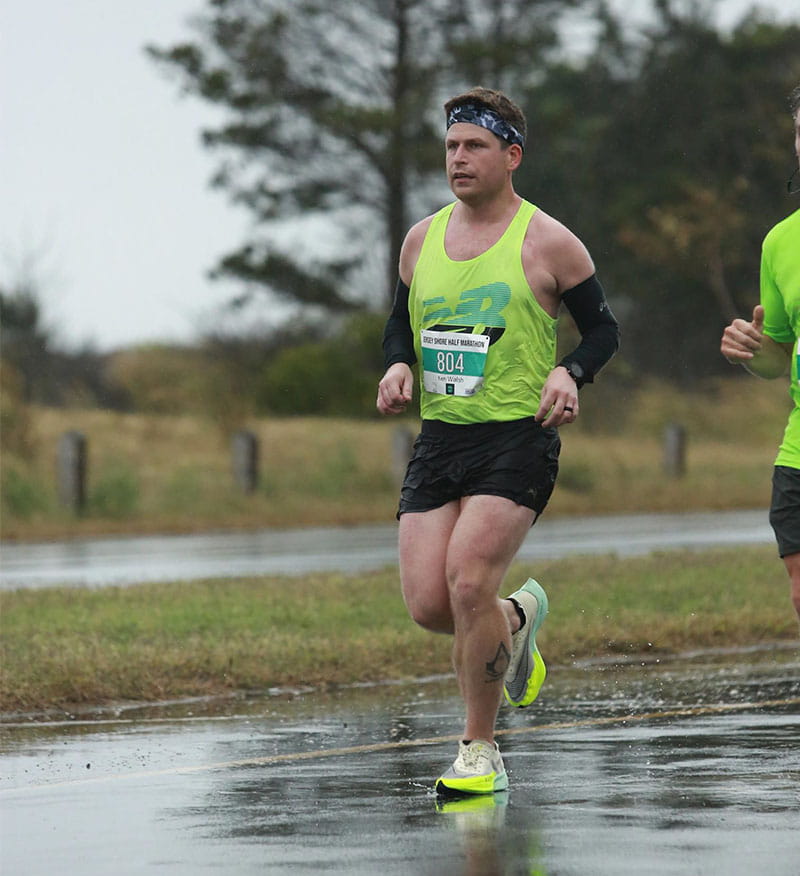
(398,340)
(599,330)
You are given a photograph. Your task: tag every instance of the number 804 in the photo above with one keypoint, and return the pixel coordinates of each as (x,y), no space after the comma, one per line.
(449,363)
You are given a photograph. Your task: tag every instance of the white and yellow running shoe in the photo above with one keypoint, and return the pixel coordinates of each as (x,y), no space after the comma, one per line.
(526,671)
(478,769)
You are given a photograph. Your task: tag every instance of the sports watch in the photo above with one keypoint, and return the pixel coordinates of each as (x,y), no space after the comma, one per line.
(575,371)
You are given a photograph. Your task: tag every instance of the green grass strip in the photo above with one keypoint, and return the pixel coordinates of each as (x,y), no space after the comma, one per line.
(63,647)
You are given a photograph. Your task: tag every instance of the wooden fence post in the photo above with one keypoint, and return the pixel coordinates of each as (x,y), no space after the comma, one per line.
(72,465)
(244,453)
(675,450)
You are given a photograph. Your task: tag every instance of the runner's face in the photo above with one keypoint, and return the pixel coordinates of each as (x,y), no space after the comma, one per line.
(477,164)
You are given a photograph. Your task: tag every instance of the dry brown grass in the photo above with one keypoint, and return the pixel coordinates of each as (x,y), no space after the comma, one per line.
(173,473)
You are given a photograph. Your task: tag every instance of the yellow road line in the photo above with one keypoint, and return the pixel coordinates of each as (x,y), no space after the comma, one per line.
(687,712)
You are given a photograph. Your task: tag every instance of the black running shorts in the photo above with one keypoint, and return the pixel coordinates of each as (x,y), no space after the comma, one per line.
(784,512)
(517,460)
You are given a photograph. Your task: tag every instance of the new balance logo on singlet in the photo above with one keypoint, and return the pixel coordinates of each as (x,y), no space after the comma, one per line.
(472,315)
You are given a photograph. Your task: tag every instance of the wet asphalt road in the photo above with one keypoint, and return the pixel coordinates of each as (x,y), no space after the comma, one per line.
(103,561)
(685,767)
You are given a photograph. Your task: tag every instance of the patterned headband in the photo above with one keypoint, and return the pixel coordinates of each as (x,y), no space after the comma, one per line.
(475,114)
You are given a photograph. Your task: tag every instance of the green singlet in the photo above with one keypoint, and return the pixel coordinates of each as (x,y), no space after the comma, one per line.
(484,343)
(780,297)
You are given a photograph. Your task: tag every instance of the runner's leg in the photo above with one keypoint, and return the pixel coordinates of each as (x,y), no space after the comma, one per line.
(485,539)
(792,563)
(424,537)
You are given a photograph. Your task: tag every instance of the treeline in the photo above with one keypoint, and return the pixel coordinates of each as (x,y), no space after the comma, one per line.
(665,145)
(285,371)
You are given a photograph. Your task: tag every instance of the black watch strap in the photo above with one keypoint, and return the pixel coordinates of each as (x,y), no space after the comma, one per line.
(575,372)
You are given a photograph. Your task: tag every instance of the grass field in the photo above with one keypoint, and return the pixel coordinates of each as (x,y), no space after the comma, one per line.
(64,647)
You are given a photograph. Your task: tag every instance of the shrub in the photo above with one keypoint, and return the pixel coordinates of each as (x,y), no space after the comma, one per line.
(22,495)
(337,376)
(115,493)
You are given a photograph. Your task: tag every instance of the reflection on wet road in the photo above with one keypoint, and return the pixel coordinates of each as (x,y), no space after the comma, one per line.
(691,767)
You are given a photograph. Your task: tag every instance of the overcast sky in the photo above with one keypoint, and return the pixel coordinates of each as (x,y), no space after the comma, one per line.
(103,181)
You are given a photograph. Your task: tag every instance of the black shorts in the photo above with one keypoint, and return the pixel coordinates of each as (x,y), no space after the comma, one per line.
(517,460)
(784,512)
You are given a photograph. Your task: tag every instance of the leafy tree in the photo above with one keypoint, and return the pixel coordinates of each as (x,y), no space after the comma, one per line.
(665,148)
(24,340)
(333,124)
(40,369)
(667,151)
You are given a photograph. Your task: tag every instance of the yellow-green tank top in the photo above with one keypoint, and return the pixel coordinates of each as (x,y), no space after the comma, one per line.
(780,296)
(484,297)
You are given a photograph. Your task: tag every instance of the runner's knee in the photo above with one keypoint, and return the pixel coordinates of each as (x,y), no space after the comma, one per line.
(431,614)
(470,590)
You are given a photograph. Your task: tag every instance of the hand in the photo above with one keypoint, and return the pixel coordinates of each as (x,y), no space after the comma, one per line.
(741,340)
(559,402)
(395,389)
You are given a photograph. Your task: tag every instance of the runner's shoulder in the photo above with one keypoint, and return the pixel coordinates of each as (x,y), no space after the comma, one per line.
(550,245)
(786,228)
(412,246)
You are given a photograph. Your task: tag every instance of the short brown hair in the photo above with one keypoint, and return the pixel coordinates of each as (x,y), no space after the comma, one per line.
(494,100)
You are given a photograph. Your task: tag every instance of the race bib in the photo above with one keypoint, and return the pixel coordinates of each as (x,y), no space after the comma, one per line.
(453,363)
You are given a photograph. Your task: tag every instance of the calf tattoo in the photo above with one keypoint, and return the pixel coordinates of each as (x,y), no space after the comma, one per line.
(496,669)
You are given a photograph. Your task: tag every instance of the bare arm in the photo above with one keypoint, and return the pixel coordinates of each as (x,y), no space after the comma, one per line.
(744,343)
(556,262)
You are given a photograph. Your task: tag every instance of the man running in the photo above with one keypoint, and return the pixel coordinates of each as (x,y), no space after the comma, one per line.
(477,302)
(767,346)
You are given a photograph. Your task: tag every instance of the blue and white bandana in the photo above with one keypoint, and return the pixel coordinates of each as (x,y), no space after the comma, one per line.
(477,114)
